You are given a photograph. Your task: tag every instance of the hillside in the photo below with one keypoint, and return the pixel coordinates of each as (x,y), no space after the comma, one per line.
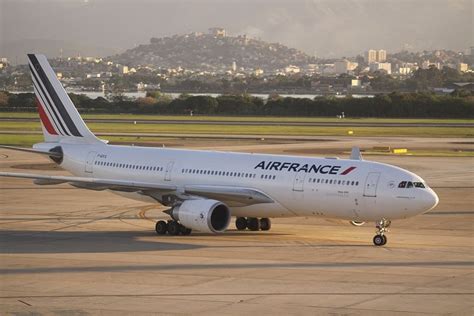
(213,53)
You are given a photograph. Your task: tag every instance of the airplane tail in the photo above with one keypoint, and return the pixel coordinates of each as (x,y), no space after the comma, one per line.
(60,120)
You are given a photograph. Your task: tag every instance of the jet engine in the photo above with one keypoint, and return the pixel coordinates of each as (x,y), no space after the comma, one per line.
(204,215)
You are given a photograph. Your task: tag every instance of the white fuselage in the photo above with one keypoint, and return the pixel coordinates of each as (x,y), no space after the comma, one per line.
(338,188)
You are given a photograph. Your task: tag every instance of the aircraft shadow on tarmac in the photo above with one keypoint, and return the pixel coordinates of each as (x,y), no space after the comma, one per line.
(27,241)
(30,241)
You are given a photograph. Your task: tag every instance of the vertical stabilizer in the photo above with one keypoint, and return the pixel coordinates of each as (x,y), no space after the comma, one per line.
(60,119)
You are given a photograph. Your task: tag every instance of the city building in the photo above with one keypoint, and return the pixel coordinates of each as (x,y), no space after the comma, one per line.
(371,56)
(381,66)
(462,67)
(382,56)
(356,83)
(124,70)
(344,66)
(234,66)
(404,71)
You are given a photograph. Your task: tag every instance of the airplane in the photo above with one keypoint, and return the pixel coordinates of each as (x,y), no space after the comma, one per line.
(203,190)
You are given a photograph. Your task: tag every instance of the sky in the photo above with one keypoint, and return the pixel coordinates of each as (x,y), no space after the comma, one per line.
(323,28)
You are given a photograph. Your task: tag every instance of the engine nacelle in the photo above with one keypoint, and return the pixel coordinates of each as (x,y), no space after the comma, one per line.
(356,223)
(205,215)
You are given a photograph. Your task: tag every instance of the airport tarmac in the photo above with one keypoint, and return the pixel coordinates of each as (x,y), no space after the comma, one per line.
(75,252)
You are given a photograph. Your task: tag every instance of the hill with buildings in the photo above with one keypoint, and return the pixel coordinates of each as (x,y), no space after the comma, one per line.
(214,52)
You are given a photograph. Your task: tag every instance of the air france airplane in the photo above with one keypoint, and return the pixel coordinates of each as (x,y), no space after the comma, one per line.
(204,189)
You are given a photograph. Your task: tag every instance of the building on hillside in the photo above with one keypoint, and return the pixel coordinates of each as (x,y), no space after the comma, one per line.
(371,56)
(462,67)
(292,69)
(344,66)
(381,66)
(356,83)
(217,32)
(381,56)
(427,64)
(404,71)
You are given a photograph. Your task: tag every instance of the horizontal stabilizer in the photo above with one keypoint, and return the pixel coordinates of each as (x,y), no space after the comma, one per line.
(35,151)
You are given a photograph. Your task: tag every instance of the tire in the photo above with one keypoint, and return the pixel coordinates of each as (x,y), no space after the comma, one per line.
(173,228)
(384,239)
(265,224)
(184,230)
(241,223)
(379,240)
(253,223)
(161,227)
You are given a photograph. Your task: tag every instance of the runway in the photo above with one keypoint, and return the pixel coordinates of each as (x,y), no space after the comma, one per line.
(72,251)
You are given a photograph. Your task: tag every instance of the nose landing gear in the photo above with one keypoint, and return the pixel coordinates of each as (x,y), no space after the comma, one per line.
(382,227)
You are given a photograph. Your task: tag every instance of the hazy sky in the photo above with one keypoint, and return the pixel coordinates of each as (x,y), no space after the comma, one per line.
(325,28)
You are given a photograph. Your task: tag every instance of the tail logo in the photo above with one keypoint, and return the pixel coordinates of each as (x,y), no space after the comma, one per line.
(54,116)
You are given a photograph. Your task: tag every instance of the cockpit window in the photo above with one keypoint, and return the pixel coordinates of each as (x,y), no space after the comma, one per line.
(409,185)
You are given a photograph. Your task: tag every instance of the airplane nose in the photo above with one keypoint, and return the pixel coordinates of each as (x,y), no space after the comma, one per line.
(430,200)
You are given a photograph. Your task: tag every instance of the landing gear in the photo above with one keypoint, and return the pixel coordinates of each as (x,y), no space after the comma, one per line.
(161,227)
(382,227)
(185,231)
(171,227)
(265,224)
(253,223)
(380,240)
(241,223)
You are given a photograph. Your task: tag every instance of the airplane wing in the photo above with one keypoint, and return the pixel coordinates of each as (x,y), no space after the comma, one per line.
(232,196)
(90,183)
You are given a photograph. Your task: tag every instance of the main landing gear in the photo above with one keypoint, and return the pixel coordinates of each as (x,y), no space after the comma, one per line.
(171,227)
(253,223)
(382,227)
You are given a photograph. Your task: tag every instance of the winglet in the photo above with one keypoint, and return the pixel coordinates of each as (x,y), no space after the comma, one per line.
(355,154)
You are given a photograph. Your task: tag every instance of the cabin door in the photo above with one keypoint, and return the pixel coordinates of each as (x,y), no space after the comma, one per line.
(169,169)
(371,183)
(298,182)
(90,161)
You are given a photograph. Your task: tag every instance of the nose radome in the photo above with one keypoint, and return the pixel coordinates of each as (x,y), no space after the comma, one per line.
(430,200)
